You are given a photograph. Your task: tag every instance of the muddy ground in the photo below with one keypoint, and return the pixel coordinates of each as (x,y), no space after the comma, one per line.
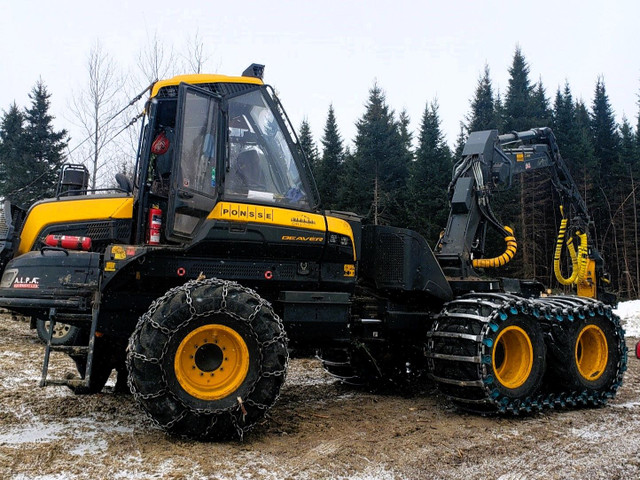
(318,429)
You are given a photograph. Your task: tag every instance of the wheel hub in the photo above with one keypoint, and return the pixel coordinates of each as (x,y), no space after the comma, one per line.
(208,357)
(512,357)
(211,362)
(60,330)
(591,352)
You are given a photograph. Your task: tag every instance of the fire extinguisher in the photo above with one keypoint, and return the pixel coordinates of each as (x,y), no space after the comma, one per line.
(70,242)
(155,225)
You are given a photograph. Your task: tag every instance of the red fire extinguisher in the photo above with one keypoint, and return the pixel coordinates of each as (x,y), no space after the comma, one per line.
(155,225)
(70,242)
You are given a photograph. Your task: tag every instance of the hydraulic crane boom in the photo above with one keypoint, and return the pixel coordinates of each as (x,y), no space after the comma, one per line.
(490,160)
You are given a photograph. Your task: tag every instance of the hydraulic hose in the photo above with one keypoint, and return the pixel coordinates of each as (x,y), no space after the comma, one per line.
(579,260)
(509,253)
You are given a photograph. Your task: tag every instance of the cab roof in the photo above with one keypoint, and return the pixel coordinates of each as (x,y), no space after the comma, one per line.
(200,78)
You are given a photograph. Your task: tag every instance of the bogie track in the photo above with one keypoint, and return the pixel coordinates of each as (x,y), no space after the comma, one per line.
(497,352)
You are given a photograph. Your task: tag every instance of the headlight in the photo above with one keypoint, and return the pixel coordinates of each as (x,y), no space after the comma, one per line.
(342,240)
(8,277)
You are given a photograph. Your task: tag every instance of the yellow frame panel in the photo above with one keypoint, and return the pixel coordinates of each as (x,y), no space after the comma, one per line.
(51,212)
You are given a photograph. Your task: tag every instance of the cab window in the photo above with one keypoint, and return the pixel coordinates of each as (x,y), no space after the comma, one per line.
(261,166)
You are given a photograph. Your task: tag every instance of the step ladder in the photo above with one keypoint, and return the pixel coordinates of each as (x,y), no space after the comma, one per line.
(79,384)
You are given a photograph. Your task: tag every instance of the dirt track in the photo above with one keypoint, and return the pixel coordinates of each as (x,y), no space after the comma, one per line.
(318,429)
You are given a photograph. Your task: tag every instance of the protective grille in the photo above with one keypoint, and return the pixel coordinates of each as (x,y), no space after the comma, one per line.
(390,267)
(244,271)
(219,88)
(4,228)
(99,230)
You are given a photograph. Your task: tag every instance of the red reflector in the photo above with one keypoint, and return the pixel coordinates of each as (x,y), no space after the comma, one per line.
(70,242)
(638,350)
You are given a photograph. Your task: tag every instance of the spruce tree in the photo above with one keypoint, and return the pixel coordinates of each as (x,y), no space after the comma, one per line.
(330,165)
(563,117)
(43,145)
(581,154)
(378,169)
(604,130)
(429,178)
(511,204)
(483,114)
(610,180)
(541,113)
(571,127)
(403,218)
(461,140)
(517,104)
(627,221)
(308,146)
(638,127)
(12,154)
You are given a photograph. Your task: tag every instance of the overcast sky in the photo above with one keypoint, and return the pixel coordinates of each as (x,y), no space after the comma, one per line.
(323,52)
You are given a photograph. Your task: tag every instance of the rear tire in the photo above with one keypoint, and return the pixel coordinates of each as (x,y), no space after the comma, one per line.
(208,360)
(585,356)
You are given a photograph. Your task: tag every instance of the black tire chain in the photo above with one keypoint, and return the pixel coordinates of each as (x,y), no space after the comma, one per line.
(557,310)
(234,410)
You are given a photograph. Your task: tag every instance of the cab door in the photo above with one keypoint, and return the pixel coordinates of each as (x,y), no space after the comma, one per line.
(194,186)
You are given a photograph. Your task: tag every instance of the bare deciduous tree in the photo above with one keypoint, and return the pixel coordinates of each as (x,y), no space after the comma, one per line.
(195,56)
(156,61)
(94,108)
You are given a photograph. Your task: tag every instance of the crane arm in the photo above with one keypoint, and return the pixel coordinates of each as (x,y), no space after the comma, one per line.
(489,162)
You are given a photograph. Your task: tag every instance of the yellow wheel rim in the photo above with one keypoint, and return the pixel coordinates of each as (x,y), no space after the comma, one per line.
(592,352)
(512,357)
(211,362)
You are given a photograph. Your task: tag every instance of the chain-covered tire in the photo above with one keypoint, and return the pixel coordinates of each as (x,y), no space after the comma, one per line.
(584,355)
(487,353)
(517,357)
(207,360)
(63,333)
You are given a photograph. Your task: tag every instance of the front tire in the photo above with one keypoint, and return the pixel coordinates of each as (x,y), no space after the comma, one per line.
(208,360)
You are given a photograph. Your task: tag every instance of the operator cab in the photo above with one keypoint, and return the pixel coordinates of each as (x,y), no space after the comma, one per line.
(212,138)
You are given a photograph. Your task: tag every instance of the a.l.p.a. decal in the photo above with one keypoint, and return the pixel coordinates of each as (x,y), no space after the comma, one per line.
(26,282)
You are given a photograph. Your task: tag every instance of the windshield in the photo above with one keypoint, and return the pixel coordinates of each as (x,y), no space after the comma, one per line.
(261,165)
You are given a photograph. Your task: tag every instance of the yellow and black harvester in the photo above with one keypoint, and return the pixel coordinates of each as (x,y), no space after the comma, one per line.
(197,277)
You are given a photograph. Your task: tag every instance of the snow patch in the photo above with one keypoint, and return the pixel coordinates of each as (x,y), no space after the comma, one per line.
(625,405)
(629,313)
(31,434)
(587,433)
(83,430)
(6,354)
(375,473)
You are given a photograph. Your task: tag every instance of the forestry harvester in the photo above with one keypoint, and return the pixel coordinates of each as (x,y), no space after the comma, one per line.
(197,277)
